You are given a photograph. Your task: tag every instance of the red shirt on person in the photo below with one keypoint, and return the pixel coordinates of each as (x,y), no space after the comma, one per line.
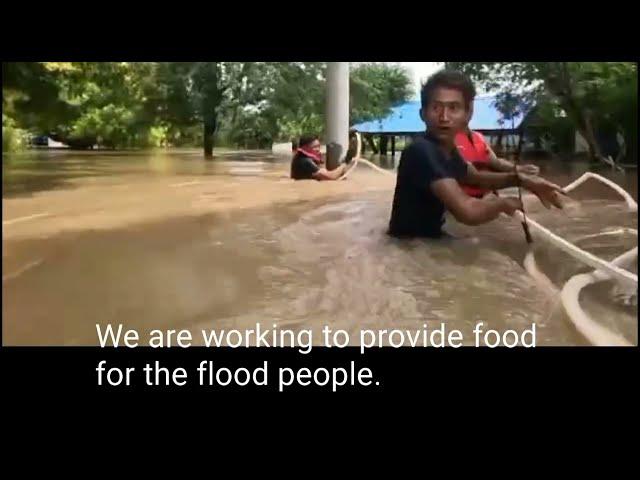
(473,149)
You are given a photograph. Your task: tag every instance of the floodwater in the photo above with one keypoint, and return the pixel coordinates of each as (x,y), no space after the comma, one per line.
(169,240)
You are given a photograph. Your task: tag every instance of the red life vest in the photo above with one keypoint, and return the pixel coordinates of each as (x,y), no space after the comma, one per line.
(473,149)
(311,154)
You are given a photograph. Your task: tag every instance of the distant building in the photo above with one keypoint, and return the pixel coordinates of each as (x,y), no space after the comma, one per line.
(404,122)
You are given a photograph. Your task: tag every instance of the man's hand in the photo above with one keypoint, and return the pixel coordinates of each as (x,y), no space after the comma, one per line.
(548,193)
(335,174)
(528,169)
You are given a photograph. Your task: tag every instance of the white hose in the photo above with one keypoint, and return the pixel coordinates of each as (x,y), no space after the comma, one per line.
(585,257)
(596,334)
(375,167)
(616,272)
(631,203)
(356,158)
(531,267)
(359,159)
(576,252)
(543,281)
(618,231)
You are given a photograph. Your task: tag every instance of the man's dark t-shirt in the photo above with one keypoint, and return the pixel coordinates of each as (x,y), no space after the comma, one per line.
(303,167)
(417,212)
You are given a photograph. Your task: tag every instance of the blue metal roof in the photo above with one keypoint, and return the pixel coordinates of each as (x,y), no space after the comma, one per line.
(405,118)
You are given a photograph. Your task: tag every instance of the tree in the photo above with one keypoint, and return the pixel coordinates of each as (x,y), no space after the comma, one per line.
(147,104)
(220,90)
(31,95)
(208,93)
(593,94)
(375,88)
(295,100)
(292,99)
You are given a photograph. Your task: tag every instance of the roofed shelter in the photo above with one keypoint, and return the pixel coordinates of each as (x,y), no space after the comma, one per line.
(404,121)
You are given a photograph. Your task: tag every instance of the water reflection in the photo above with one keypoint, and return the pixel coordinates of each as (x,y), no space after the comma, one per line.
(26,173)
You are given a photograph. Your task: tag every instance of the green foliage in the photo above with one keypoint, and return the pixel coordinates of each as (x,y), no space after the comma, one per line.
(291,98)
(296,127)
(31,96)
(375,88)
(109,125)
(13,138)
(596,97)
(156,136)
(152,104)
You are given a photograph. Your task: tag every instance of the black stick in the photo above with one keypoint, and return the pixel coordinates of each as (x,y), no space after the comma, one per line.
(525,225)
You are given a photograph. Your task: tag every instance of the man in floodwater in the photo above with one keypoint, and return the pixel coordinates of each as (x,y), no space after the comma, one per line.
(431,169)
(307,162)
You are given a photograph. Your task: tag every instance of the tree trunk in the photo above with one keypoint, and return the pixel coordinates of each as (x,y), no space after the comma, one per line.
(371,143)
(209,132)
(622,146)
(562,88)
(586,129)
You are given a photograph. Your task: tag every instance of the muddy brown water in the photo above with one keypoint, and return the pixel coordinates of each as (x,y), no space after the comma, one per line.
(169,240)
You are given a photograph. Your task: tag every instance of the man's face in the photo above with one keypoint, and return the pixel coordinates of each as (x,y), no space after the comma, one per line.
(315,146)
(446,114)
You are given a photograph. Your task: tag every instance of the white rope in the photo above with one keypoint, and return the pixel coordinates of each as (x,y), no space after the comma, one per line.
(375,167)
(356,159)
(618,231)
(616,272)
(359,159)
(543,281)
(576,252)
(594,332)
(631,203)
(531,267)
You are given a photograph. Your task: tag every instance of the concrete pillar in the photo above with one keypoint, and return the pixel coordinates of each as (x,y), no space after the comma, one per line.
(337,112)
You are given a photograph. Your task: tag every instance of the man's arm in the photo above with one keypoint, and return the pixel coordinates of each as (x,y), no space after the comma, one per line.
(469,210)
(324,174)
(501,165)
(490,180)
(547,192)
